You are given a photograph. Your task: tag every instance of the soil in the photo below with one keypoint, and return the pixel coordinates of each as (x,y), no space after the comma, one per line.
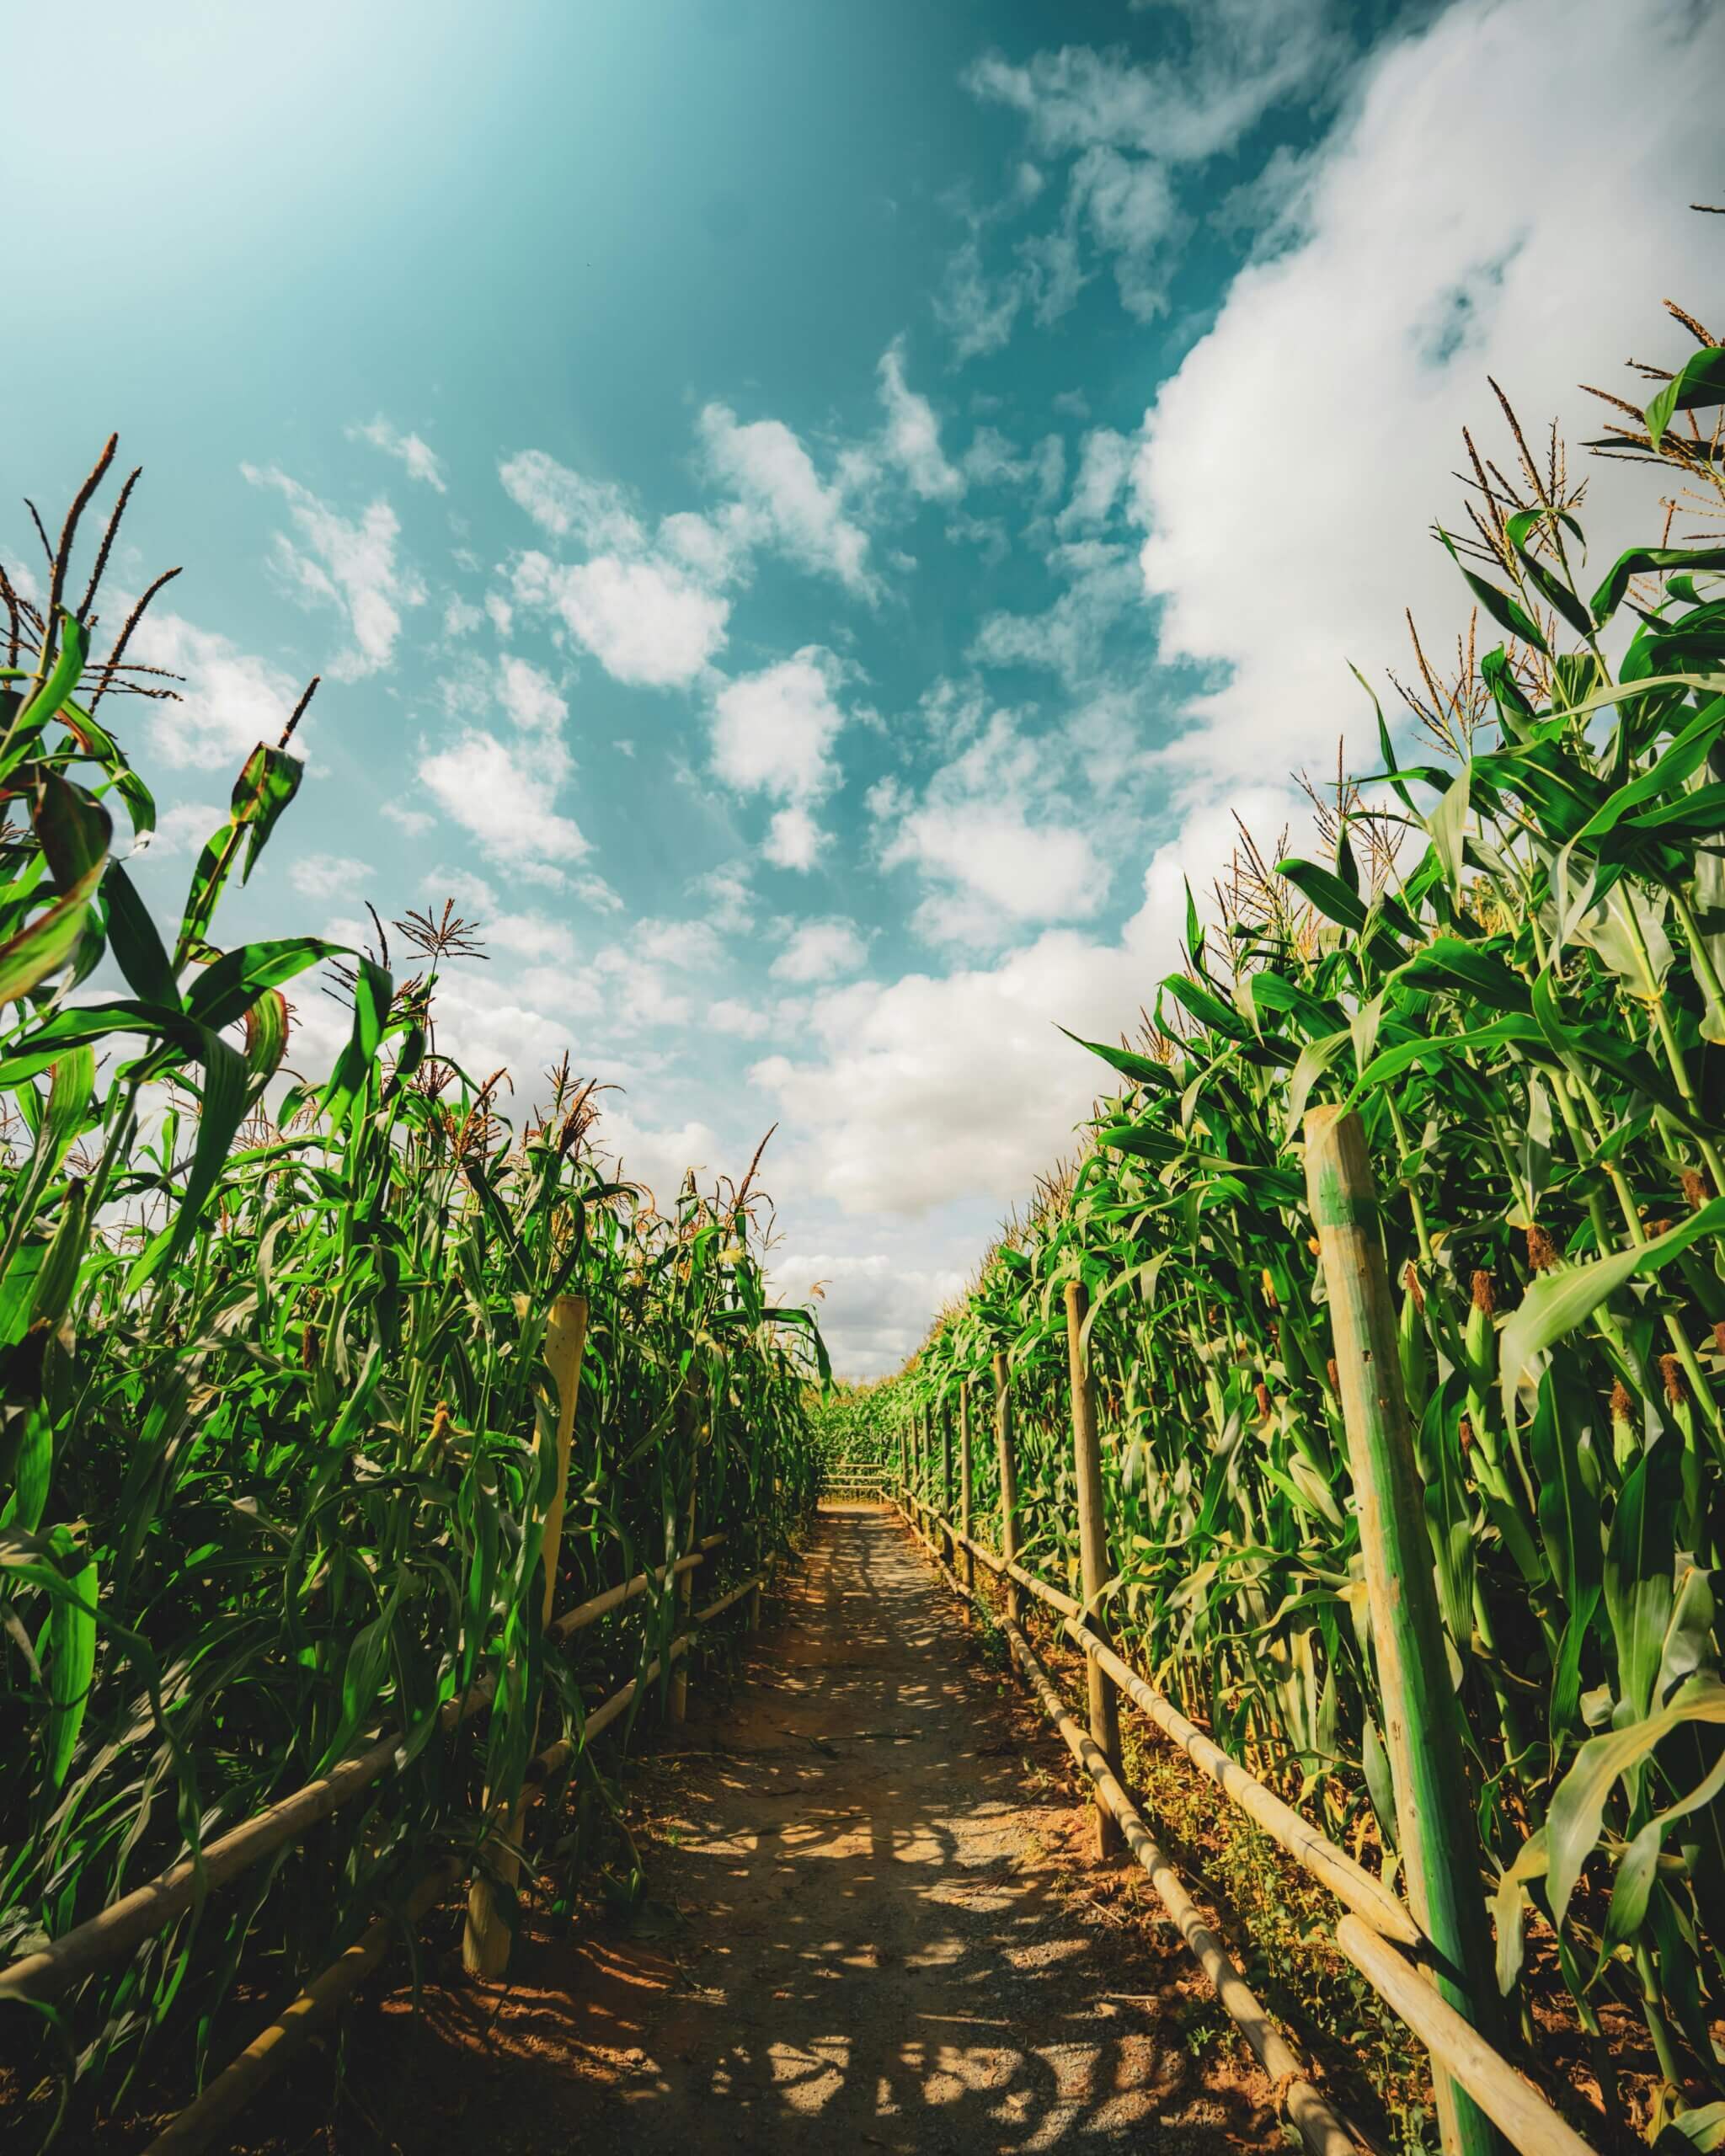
(871,1923)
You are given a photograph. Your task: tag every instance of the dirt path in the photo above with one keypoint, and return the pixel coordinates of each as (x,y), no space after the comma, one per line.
(869,1929)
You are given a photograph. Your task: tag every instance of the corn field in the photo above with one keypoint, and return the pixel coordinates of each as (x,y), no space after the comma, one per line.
(274,1455)
(1508,960)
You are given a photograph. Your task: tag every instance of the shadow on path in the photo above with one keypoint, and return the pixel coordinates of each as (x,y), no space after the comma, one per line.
(862,1934)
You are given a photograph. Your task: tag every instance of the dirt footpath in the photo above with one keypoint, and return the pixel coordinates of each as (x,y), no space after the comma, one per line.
(870,1927)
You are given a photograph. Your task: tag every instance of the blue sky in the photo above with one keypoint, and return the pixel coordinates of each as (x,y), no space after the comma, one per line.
(812,517)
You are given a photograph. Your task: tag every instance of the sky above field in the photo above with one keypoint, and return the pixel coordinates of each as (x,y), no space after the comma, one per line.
(813,515)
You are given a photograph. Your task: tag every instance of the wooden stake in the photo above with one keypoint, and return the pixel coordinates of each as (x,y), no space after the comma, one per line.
(1009,1485)
(1094,1569)
(1422,1732)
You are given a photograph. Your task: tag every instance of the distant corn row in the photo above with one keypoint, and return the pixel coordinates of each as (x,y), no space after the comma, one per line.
(1510,965)
(289,1373)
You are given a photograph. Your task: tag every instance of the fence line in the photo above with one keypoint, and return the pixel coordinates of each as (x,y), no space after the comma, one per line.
(221,2102)
(1373,1935)
(152,1908)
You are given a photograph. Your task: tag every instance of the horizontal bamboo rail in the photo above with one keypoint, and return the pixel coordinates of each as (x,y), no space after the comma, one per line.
(234,2087)
(1520,2113)
(125,1924)
(601,1605)
(227,2095)
(1320,2129)
(1376,1931)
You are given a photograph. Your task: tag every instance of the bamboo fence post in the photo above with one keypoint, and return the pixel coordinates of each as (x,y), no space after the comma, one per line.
(969,1564)
(945,1478)
(1092,1552)
(1422,1732)
(1009,1485)
(486,1938)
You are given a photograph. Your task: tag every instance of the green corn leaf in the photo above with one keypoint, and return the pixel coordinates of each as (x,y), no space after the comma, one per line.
(1640,1595)
(1701,382)
(269,781)
(1140,1068)
(1507,612)
(61,680)
(1573,1823)
(1651,561)
(72,1664)
(1556,1302)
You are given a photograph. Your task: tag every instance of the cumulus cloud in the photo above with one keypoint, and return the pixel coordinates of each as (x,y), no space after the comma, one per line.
(821,950)
(419,460)
(328,875)
(647,622)
(885,1109)
(772,734)
(1365,339)
(183,828)
(648,604)
(346,563)
(987,841)
(500,792)
(767,466)
(873,1309)
(1065,638)
(228,700)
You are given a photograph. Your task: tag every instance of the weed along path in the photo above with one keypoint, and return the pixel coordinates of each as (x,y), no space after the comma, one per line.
(871,1925)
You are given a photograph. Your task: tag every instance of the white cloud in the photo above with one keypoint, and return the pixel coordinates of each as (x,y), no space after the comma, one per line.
(684,944)
(1369,333)
(821,950)
(646,622)
(772,734)
(729,1016)
(229,700)
(912,436)
(185,828)
(884,1113)
(1103,464)
(414,822)
(976,313)
(987,837)
(874,1308)
(1066,638)
(346,563)
(767,466)
(531,698)
(794,840)
(597,513)
(420,459)
(1130,127)
(729,902)
(502,795)
(326,875)
(461,617)
(1242,57)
